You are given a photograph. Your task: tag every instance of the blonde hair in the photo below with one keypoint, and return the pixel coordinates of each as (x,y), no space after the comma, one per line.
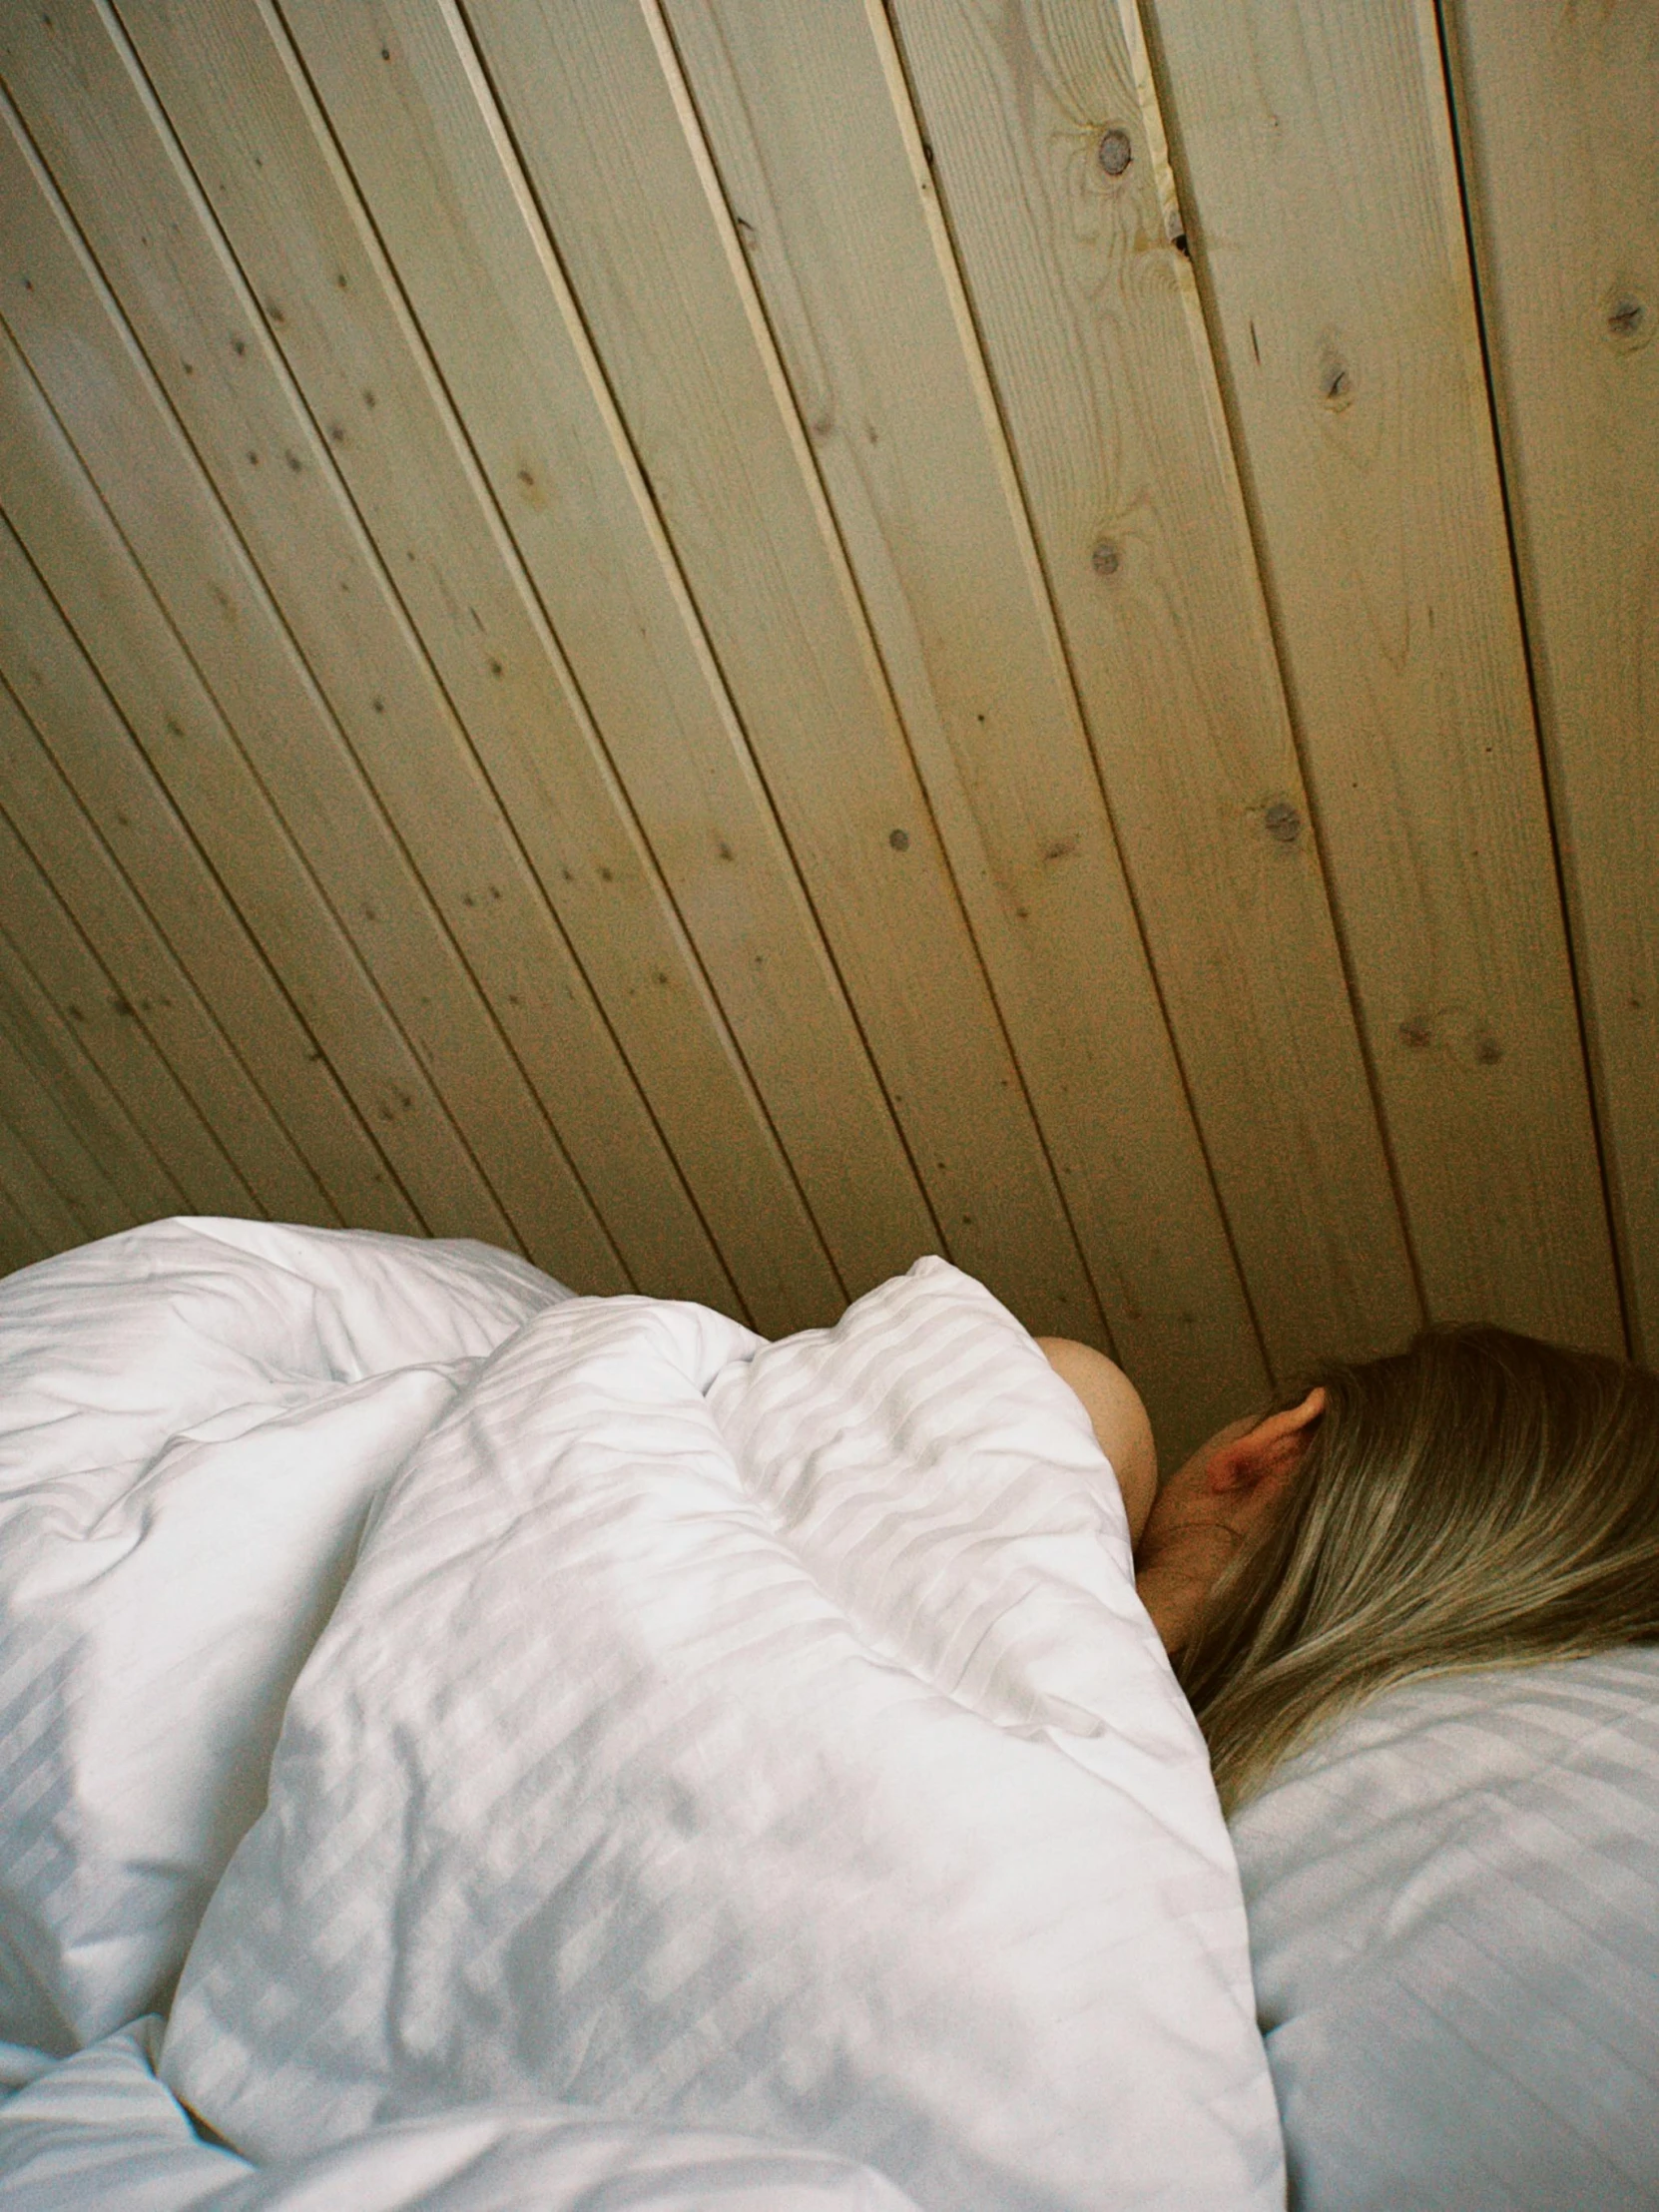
(1480,1500)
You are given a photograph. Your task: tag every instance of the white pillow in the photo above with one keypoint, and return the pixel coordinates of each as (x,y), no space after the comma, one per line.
(193,1418)
(1454,1916)
(760,1737)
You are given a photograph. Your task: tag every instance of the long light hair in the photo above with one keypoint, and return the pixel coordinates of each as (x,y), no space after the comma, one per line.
(1480,1500)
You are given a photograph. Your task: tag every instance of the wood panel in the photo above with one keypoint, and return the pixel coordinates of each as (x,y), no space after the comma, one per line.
(1085,311)
(1320,196)
(111,1030)
(59,517)
(426,147)
(35,1222)
(619,171)
(143,971)
(290,215)
(80,731)
(47,1167)
(1560,137)
(184,294)
(811,129)
(731,642)
(82,1136)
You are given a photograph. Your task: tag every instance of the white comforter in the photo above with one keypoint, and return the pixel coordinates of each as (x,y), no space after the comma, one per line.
(101,2129)
(757,1739)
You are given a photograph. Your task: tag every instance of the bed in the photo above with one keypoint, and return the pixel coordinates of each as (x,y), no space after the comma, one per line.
(464,1744)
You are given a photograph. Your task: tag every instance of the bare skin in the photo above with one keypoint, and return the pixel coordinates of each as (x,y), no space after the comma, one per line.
(1189,1528)
(1119,1420)
(1208,1511)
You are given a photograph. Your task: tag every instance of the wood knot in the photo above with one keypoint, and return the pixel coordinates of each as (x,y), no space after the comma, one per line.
(1628,322)
(1283,822)
(1115,152)
(1106,558)
(900,839)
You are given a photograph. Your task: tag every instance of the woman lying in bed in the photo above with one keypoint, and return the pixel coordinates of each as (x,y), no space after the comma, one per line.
(1480,1500)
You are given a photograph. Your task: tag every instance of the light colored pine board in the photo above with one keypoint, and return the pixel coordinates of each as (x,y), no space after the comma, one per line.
(111,1030)
(533,777)
(90,748)
(819,156)
(84,113)
(397,713)
(1560,137)
(1319,188)
(75,1175)
(90,1145)
(1091,331)
(636,215)
(20,1246)
(62,524)
(417,123)
(69,853)
(38,1223)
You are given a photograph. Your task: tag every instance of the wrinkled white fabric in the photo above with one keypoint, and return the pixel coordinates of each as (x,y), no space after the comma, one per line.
(1454,1916)
(759,1737)
(194,1419)
(100,2130)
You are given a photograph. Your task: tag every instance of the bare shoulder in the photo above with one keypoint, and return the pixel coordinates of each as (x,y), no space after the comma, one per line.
(1119,1420)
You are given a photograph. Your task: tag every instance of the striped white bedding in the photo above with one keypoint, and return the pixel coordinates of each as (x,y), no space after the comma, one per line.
(1454,1920)
(691,1731)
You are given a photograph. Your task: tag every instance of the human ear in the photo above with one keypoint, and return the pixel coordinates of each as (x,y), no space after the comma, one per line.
(1269,1451)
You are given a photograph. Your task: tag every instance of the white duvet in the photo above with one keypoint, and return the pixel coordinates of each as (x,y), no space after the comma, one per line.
(677,1733)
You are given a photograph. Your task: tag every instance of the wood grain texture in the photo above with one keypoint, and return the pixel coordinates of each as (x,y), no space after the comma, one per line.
(515,815)
(142,969)
(811,128)
(92,1151)
(269,463)
(1090,326)
(618,164)
(110,1030)
(80,731)
(728,642)
(35,1222)
(60,519)
(428,150)
(58,1189)
(1319,192)
(1560,137)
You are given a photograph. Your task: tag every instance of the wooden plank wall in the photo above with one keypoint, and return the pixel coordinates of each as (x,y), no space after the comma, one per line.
(728,642)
